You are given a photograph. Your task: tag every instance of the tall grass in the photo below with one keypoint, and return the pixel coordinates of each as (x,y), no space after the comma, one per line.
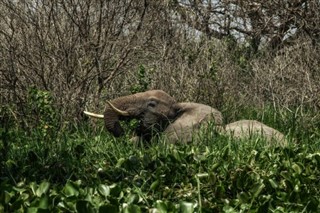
(85,168)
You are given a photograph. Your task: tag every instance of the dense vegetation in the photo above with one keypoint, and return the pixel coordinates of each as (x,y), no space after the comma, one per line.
(82,169)
(249,60)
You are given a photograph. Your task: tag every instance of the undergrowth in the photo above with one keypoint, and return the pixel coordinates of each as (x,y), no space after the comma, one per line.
(65,168)
(81,169)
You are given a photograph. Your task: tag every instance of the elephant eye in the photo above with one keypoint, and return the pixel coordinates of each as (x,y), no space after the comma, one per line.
(152,104)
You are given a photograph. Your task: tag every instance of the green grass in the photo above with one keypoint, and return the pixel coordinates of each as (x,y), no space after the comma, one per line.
(89,171)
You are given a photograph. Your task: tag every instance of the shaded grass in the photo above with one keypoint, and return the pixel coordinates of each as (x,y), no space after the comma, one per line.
(88,169)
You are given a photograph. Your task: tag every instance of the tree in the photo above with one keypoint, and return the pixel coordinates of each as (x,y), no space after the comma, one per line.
(272,24)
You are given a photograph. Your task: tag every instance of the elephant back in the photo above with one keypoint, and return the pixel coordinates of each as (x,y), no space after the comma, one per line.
(193,117)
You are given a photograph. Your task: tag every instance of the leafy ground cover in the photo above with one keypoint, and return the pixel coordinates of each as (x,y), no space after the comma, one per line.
(87,171)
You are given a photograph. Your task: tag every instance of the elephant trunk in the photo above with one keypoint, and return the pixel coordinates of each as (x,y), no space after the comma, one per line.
(116,110)
(150,107)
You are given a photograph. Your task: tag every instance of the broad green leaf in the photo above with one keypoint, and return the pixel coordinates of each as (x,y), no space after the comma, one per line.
(273,184)
(186,207)
(32,210)
(244,197)
(43,188)
(44,202)
(133,198)
(70,190)
(104,190)
(33,187)
(155,185)
(296,168)
(120,162)
(161,207)
(132,208)
(24,196)
(7,196)
(256,190)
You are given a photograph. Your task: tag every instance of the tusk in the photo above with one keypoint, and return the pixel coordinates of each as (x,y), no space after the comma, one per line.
(93,114)
(120,112)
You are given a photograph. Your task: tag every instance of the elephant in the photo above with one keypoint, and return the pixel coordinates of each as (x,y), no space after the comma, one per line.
(191,117)
(194,117)
(154,109)
(157,112)
(247,128)
(179,122)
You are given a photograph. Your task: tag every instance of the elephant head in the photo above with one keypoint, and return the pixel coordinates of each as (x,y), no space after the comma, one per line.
(153,108)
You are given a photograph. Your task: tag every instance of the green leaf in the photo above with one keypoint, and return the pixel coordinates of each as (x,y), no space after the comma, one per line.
(104,190)
(44,202)
(161,207)
(155,185)
(32,210)
(215,166)
(7,196)
(70,190)
(296,168)
(273,184)
(42,189)
(229,209)
(186,207)
(120,162)
(257,188)
(133,198)
(33,187)
(244,197)
(132,208)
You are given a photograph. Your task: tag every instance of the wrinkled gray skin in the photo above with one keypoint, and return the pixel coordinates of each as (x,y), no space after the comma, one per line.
(195,116)
(154,109)
(248,128)
(191,117)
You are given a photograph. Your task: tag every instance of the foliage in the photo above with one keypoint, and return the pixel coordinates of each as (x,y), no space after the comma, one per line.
(41,115)
(85,171)
(143,81)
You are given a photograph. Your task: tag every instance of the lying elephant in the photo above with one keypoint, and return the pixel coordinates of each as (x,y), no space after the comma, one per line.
(158,111)
(195,117)
(191,117)
(248,128)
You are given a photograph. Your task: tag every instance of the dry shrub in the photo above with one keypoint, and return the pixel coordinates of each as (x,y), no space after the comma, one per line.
(291,79)
(83,52)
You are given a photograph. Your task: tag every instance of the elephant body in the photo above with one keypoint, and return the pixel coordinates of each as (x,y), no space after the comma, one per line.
(192,116)
(248,128)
